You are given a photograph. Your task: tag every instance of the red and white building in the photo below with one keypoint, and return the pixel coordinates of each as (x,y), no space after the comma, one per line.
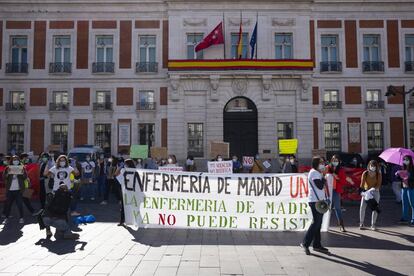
(125,72)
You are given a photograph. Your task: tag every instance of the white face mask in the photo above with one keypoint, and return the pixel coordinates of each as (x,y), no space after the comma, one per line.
(110,160)
(321,167)
(406,162)
(372,168)
(219,159)
(292,161)
(335,164)
(234,159)
(62,163)
(16,162)
(170,160)
(190,162)
(88,159)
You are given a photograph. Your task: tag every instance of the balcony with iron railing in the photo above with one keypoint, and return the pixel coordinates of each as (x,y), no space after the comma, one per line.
(103,67)
(58,106)
(409,66)
(372,66)
(146,67)
(15,106)
(146,106)
(330,66)
(331,105)
(17,68)
(374,105)
(60,67)
(106,106)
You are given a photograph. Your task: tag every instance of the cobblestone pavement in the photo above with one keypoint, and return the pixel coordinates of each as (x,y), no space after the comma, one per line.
(107,249)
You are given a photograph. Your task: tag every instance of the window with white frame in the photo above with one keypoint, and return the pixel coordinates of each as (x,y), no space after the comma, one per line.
(329,48)
(61,52)
(235,43)
(103,137)
(104,48)
(103,97)
(16,97)
(332,135)
(147,48)
(18,49)
(283,46)
(60,97)
(146,134)
(409,47)
(372,47)
(373,95)
(195,139)
(331,96)
(15,138)
(192,40)
(284,130)
(60,136)
(375,135)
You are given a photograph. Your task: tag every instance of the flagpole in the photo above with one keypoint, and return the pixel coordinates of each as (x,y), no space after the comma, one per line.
(257,32)
(224,37)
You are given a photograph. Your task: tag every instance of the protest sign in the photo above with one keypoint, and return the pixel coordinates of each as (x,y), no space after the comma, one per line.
(219,148)
(171,169)
(15,169)
(220,167)
(159,152)
(269,202)
(288,146)
(139,151)
(248,161)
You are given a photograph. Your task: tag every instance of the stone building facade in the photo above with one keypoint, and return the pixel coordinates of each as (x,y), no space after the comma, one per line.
(125,72)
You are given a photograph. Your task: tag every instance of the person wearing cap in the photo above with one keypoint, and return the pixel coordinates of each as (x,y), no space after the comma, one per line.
(15,177)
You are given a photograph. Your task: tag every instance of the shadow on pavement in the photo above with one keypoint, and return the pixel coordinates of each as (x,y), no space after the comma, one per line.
(11,233)
(61,247)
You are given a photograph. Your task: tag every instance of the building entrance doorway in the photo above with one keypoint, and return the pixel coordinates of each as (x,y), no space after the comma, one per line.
(240,127)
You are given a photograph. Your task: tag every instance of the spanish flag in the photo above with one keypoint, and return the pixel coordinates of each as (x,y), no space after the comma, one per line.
(240,42)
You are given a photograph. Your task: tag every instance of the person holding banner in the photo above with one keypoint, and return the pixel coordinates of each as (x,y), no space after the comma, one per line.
(129,163)
(339,180)
(257,165)
(15,177)
(189,164)
(237,165)
(317,193)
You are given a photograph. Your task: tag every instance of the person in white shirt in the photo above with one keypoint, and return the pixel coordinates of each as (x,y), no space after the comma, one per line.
(61,173)
(87,179)
(317,191)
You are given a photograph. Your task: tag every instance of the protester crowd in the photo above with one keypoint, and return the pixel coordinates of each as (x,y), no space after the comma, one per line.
(64,182)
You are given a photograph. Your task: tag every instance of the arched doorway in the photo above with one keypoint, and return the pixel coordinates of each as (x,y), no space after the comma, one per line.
(240,126)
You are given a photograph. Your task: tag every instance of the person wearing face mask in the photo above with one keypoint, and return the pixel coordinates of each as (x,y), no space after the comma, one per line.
(257,165)
(101,175)
(189,164)
(237,165)
(287,165)
(339,180)
(61,172)
(14,176)
(317,191)
(87,176)
(407,192)
(292,161)
(112,185)
(172,161)
(371,178)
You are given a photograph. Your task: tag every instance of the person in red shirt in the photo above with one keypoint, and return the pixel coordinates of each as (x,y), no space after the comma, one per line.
(338,172)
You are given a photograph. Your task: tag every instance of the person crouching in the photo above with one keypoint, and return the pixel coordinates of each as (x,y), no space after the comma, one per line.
(56,214)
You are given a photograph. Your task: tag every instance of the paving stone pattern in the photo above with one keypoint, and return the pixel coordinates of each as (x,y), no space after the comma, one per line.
(107,249)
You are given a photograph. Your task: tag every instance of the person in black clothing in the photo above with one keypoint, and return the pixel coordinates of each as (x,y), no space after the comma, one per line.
(129,163)
(43,162)
(56,214)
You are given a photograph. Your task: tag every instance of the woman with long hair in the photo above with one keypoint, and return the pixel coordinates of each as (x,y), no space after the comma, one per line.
(371,180)
(407,191)
(339,179)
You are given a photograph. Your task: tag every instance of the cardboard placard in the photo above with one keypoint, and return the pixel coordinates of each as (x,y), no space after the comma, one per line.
(159,152)
(139,151)
(219,148)
(52,148)
(319,152)
(288,146)
(248,161)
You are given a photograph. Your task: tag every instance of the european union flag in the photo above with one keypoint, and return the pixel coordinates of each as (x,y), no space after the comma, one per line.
(253,41)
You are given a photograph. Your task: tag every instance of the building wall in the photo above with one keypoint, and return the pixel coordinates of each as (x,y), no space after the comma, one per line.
(200,96)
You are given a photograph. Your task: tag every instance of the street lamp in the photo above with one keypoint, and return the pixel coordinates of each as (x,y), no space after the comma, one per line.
(392,91)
